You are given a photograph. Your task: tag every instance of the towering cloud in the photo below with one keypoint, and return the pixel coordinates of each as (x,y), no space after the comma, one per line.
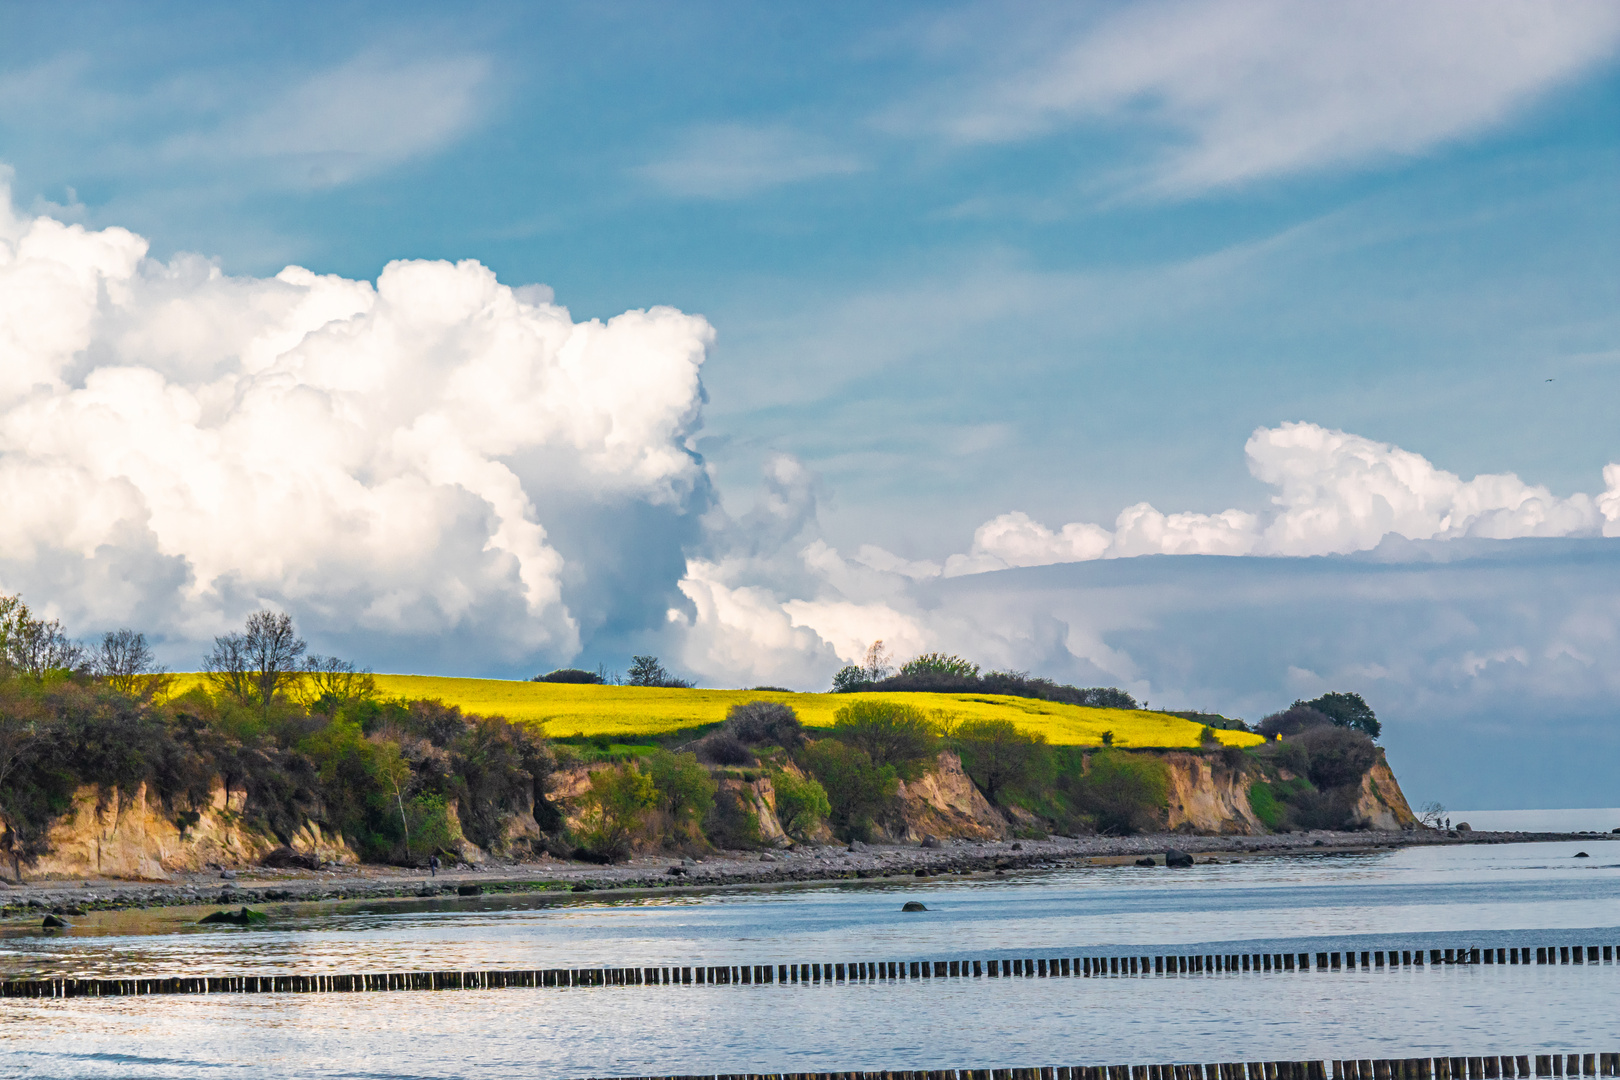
(178,446)
(1333,494)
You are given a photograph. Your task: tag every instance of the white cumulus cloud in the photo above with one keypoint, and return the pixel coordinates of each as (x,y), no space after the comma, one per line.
(794,612)
(1335,493)
(178,446)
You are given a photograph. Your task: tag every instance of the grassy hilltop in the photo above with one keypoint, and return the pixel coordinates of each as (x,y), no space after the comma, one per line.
(642,711)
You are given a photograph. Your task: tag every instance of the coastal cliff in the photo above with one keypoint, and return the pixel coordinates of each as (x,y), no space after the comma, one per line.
(1206,796)
(114,835)
(132,836)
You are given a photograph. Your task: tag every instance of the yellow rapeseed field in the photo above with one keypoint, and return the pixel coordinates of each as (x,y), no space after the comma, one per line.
(630,711)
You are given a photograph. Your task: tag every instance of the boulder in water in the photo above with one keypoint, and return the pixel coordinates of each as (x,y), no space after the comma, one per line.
(472,889)
(1146,860)
(245,917)
(914,905)
(55,922)
(1582,855)
(1174,857)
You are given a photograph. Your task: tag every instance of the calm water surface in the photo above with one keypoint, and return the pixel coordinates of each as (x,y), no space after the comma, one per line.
(1501,895)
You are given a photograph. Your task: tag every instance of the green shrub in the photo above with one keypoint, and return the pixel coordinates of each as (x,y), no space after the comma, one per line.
(432,831)
(733,822)
(858,789)
(940,664)
(1346,710)
(1001,757)
(1123,793)
(850,679)
(571,675)
(801,804)
(685,789)
(615,809)
(765,723)
(1263,801)
(892,735)
(1338,756)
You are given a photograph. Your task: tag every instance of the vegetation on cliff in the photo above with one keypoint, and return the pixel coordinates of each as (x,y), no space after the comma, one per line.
(299,738)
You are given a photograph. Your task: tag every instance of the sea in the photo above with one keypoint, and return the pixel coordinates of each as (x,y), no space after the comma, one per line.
(1475,896)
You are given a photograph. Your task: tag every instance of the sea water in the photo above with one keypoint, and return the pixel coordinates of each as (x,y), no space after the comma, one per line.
(1501,896)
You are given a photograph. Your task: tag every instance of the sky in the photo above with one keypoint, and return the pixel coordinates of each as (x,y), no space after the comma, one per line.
(1084,339)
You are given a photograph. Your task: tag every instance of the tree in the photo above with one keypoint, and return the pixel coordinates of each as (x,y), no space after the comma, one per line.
(940,664)
(876,664)
(647,671)
(226,668)
(857,789)
(685,788)
(1431,814)
(999,756)
(1338,756)
(1346,710)
(330,684)
(850,679)
(801,803)
(125,661)
(1124,793)
(21,733)
(1291,721)
(504,770)
(615,808)
(273,653)
(34,646)
(733,822)
(572,675)
(13,613)
(892,734)
(765,723)
(258,663)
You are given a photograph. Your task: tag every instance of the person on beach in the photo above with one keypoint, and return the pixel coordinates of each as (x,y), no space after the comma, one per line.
(433,866)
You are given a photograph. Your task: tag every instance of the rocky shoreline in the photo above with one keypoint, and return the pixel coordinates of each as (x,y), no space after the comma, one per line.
(804,865)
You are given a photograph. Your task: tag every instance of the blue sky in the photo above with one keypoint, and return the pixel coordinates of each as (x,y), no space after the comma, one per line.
(959,262)
(938,325)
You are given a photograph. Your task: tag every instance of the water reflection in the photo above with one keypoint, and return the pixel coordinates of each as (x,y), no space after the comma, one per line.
(1409,898)
(1536,894)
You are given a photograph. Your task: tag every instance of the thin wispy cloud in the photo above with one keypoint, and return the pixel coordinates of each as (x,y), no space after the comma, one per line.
(724,161)
(350,121)
(1232,91)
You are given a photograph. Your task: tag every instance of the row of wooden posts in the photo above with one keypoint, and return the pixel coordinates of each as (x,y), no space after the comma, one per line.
(749,974)
(1442,1068)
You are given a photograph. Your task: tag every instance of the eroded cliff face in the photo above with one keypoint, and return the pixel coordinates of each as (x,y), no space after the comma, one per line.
(119,835)
(946,803)
(568,788)
(1382,802)
(760,797)
(1205,796)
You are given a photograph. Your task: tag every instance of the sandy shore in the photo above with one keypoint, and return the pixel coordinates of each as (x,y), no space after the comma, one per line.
(802,865)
